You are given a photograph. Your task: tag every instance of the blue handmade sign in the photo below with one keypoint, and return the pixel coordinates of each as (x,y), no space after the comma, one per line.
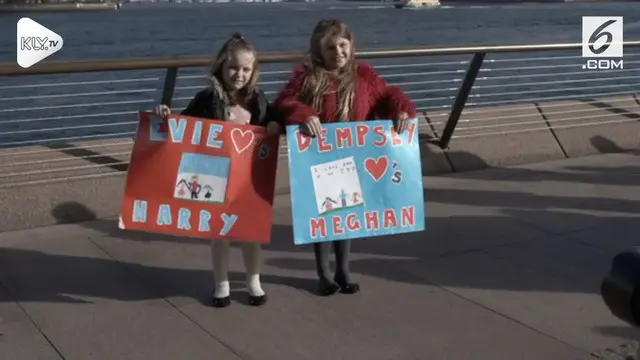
(357,179)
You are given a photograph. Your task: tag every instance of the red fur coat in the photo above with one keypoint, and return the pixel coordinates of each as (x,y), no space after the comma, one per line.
(374,98)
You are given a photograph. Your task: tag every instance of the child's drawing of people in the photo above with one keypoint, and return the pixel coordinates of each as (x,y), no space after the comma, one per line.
(181,192)
(355,197)
(343,198)
(195,187)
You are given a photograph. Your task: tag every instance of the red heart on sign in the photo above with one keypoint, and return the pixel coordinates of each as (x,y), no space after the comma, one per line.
(376,167)
(241,139)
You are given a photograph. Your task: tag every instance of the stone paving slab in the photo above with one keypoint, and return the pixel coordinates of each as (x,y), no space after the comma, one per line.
(19,337)
(90,307)
(493,277)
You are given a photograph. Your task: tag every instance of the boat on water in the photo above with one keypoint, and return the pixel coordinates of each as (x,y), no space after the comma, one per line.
(416,4)
(61,6)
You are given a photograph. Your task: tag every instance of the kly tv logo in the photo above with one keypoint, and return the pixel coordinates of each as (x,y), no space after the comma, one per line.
(594,30)
(35,42)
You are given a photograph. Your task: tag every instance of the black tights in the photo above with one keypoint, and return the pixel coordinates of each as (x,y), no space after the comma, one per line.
(322,251)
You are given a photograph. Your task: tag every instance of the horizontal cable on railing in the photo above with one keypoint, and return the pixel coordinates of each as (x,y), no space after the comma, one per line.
(432,107)
(96,82)
(62,117)
(553,82)
(520,123)
(90,126)
(426,82)
(434,99)
(80,137)
(408,92)
(552,90)
(546,98)
(522,106)
(58,149)
(262,83)
(262,73)
(544,128)
(61,179)
(395,66)
(79,105)
(427,73)
(71,168)
(545,58)
(541,67)
(528,106)
(182,98)
(96,93)
(70,158)
(504,77)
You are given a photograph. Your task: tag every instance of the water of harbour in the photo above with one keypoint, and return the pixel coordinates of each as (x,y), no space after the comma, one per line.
(142,30)
(179,29)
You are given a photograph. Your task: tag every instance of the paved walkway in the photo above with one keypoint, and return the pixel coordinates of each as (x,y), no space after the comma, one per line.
(509,268)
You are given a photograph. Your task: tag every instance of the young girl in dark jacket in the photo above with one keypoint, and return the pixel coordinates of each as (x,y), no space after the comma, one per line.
(330,87)
(233,95)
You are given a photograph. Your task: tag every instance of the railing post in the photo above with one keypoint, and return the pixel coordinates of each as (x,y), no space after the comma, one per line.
(461,98)
(169,85)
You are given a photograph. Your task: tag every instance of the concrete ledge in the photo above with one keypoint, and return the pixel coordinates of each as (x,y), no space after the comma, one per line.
(37,164)
(594,126)
(434,159)
(498,136)
(48,204)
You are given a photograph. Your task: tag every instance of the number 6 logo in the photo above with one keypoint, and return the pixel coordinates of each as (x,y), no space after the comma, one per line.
(598,34)
(602,36)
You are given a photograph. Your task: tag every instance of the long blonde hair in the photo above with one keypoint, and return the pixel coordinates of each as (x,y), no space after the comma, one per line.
(316,84)
(236,42)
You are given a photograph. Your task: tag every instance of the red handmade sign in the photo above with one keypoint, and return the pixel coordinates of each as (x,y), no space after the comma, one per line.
(201,178)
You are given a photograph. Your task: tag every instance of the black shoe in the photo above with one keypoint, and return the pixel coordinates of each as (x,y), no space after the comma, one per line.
(257,300)
(347,287)
(326,288)
(220,302)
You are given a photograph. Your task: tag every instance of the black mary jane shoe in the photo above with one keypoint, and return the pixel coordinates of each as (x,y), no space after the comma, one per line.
(349,288)
(327,289)
(257,300)
(220,302)
(346,287)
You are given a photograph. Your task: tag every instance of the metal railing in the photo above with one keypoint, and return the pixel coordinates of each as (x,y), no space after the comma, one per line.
(76,119)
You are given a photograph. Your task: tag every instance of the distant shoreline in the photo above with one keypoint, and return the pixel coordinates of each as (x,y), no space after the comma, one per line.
(113,6)
(60,7)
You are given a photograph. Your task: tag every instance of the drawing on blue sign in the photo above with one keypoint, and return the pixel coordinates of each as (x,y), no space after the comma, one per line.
(202,178)
(336,185)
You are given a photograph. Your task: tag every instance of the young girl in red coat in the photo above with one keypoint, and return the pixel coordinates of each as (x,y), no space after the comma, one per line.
(330,87)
